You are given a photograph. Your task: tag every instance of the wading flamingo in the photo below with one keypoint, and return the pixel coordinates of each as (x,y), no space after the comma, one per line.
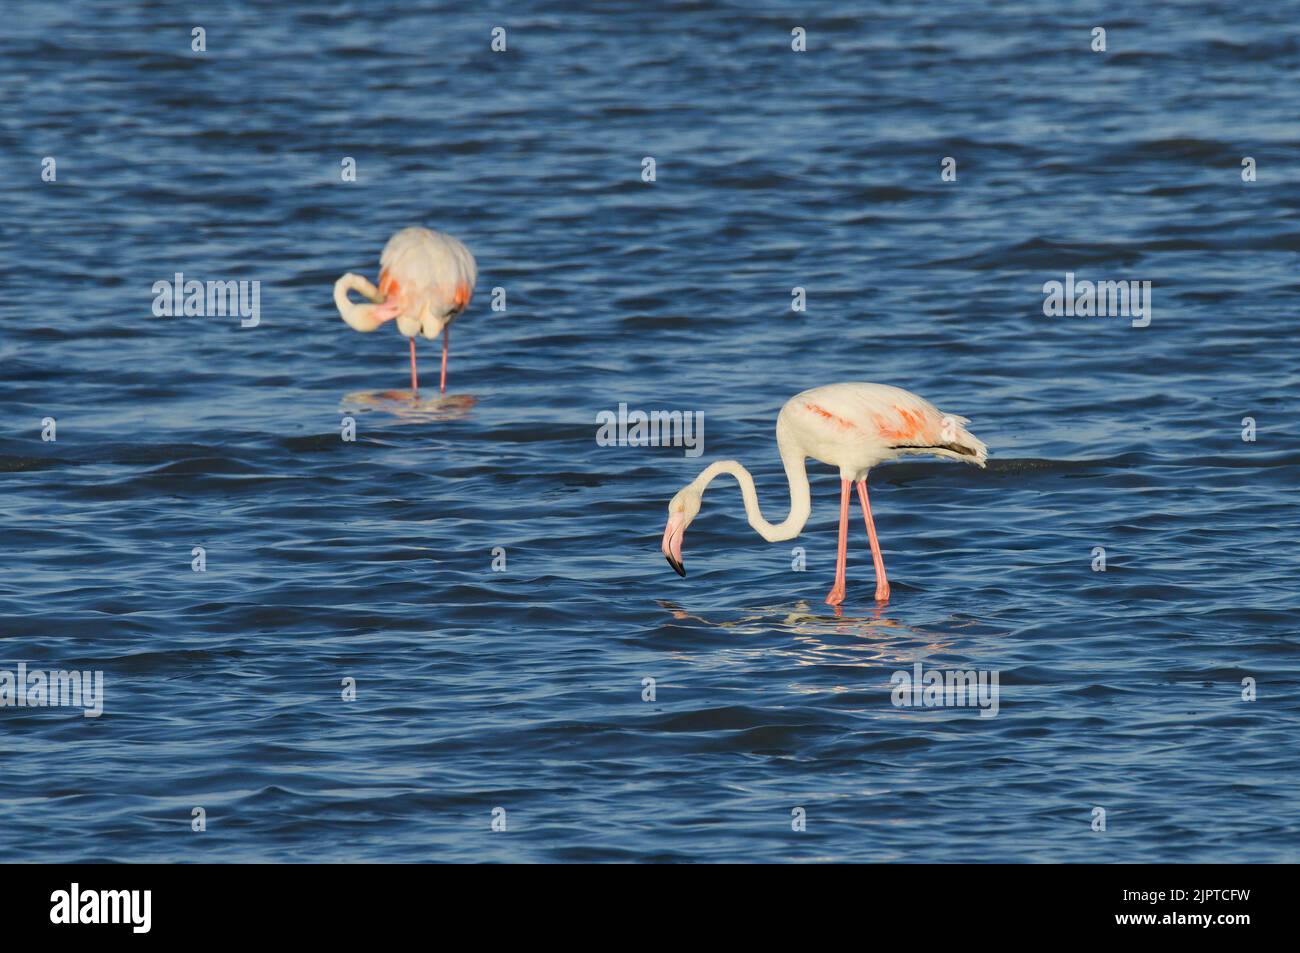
(426,279)
(850,426)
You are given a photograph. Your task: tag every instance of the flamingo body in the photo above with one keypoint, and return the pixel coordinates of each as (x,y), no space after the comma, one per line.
(852,427)
(856,426)
(429,277)
(426,280)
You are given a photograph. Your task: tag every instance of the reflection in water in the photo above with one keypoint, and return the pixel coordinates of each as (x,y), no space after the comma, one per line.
(408,408)
(866,640)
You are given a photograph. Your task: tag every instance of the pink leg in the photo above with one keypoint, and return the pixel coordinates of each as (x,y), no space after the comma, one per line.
(415,381)
(446,344)
(882,581)
(836,595)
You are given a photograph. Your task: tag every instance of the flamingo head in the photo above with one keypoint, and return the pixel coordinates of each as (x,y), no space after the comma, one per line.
(683,509)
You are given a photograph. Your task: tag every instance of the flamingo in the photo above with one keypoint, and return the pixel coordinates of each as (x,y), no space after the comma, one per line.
(850,426)
(426,280)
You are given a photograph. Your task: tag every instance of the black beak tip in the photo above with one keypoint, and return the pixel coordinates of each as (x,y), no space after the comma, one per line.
(677,567)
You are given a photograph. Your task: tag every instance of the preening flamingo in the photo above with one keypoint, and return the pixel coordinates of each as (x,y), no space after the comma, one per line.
(850,426)
(426,279)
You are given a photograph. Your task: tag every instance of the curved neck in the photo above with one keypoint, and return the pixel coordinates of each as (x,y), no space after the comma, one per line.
(358,316)
(800,502)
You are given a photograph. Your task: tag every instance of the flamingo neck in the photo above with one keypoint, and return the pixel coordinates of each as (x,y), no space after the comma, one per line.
(800,502)
(360,317)
(341,289)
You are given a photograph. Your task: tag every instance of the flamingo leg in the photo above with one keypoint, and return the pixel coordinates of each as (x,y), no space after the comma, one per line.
(882,581)
(415,381)
(836,595)
(446,344)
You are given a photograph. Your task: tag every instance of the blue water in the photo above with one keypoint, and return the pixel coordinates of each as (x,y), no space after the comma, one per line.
(522,689)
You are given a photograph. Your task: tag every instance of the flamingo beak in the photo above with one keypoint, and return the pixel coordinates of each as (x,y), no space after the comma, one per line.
(672,544)
(387,310)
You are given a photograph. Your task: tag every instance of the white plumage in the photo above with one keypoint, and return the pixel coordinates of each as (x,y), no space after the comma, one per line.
(855,426)
(851,426)
(432,277)
(426,279)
